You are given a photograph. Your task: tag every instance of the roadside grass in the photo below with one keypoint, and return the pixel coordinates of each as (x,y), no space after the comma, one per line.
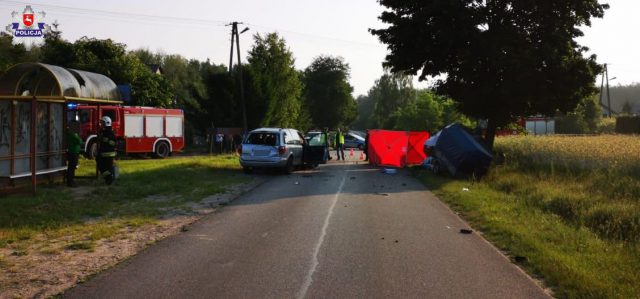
(146,189)
(568,205)
(574,261)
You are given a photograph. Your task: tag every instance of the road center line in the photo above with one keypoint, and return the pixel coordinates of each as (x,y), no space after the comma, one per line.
(314,261)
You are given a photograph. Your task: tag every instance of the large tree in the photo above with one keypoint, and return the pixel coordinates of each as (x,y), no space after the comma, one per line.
(501,58)
(327,92)
(364,120)
(390,93)
(276,82)
(429,112)
(11,54)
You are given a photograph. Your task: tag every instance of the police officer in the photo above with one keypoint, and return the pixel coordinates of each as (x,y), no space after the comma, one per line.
(106,151)
(339,144)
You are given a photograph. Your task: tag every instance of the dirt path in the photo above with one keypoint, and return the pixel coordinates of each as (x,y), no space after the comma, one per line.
(42,274)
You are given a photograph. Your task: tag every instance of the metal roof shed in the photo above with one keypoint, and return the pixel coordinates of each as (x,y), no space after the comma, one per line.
(33,98)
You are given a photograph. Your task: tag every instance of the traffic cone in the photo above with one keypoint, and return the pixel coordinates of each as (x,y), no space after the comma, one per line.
(361,155)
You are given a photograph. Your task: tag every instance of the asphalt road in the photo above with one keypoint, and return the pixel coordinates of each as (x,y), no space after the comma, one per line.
(340,231)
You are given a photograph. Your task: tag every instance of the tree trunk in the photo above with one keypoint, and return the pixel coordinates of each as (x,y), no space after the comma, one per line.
(490,134)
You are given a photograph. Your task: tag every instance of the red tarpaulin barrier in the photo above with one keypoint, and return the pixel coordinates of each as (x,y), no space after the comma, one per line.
(388,148)
(396,148)
(415,152)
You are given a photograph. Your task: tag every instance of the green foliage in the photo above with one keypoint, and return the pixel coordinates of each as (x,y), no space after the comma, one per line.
(11,54)
(327,92)
(149,89)
(626,108)
(276,82)
(606,126)
(364,120)
(501,58)
(582,120)
(570,123)
(390,93)
(428,113)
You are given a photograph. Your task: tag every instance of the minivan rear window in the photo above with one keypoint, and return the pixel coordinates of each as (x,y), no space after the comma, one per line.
(262,138)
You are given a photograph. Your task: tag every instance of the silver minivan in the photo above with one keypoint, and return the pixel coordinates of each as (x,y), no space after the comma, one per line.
(280,148)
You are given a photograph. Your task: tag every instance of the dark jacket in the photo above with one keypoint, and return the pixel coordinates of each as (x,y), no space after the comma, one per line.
(106,143)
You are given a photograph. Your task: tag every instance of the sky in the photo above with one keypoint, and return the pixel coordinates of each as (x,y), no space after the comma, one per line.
(196,29)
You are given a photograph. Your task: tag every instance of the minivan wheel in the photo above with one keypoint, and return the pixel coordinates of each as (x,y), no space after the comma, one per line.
(289,168)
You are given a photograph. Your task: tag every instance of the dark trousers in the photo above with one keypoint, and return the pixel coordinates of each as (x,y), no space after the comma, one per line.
(72,163)
(339,150)
(105,166)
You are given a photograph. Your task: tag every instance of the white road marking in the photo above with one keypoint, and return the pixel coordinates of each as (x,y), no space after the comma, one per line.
(314,261)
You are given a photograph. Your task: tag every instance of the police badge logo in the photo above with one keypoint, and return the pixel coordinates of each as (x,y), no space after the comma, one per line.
(28,28)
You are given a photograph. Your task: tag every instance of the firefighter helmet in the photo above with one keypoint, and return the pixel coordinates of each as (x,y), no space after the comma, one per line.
(106,121)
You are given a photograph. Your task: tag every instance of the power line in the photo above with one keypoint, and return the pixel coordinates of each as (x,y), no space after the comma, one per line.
(315,36)
(119,15)
(167,20)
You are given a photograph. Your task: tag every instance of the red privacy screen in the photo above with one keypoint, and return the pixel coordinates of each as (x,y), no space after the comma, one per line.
(388,148)
(396,148)
(415,152)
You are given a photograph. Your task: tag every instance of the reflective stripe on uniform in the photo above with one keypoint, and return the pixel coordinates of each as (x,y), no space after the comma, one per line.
(108,154)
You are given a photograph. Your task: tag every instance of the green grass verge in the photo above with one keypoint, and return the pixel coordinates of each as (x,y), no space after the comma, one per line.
(146,189)
(537,216)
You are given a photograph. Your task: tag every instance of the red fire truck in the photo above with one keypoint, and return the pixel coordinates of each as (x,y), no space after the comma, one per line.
(139,130)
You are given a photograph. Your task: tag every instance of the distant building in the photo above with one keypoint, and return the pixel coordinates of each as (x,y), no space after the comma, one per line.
(540,125)
(156,69)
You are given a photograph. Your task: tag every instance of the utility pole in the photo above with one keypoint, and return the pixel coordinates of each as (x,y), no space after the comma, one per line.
(605,76)
(236,36)
(233,36)
(602,86)
(606,71)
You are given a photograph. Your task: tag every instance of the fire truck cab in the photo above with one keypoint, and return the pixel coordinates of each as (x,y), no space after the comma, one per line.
(139,130)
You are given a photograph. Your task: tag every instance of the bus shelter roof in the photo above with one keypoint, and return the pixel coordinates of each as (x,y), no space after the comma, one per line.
(50,81)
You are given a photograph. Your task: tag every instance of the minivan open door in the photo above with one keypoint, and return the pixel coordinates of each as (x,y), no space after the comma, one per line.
(316,149)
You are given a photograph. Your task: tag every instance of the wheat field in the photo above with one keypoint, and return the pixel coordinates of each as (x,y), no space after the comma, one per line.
(617,153)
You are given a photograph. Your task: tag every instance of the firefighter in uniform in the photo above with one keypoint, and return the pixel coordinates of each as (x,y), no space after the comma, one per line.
(106,151)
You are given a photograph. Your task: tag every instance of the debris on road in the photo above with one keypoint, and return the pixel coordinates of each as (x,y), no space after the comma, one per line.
(353,178)
(465,231)
(390,171)
(297,183)
(520,259)
(382,194)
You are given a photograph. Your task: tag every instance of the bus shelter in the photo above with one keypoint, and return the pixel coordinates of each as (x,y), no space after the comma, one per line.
(33,117)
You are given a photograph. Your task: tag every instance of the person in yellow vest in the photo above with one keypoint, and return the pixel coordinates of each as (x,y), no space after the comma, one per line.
(339,144)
